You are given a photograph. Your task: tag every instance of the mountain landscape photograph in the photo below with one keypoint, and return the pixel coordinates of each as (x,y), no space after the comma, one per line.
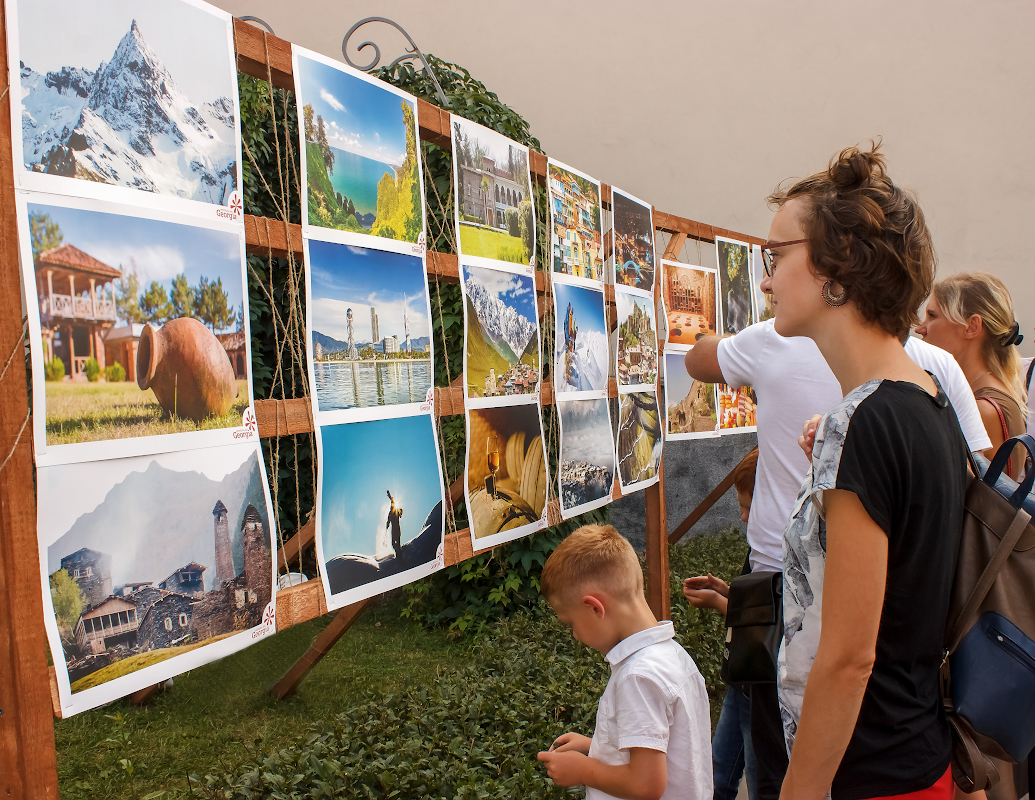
(131,94)
(501,355)
(361,158)
(587,459)
(185,534)
(581,341)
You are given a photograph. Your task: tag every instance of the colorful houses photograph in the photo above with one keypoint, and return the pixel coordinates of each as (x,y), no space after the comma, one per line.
(152,558)
(142,325)
(501,350)
(633,241)
(690,303)
(362,165)
(495,217)
(575,230)
(371,336)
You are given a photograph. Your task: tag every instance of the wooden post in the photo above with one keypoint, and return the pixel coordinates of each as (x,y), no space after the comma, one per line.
(657,547)
(28,762)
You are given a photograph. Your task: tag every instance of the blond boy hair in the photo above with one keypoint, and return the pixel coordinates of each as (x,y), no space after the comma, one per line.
(592,558)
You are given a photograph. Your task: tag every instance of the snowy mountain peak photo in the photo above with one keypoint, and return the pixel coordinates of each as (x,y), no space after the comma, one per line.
(123,119)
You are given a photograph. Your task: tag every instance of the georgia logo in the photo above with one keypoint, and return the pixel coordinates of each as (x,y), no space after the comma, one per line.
(269,619)
(236,204)
(249,425)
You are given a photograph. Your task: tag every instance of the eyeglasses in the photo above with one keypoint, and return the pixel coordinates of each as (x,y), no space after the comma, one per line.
(768,256)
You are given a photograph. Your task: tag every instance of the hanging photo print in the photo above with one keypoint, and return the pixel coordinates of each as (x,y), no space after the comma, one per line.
(691,404)
(637,352)
(581,352)
(690,297)
(587,457)
(368,314)
(734,284)
(152,566)
(127,101)
(501,344)
(763,303)
(575,229)
(138,329)
(507,475)
(639,440)
(360,157)
(495,218)
(633,229)
(737,408)
(379,512)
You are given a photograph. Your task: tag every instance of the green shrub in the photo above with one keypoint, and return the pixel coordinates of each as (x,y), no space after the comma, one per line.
(116,373)
(513,222)
(527,225)
(54,370)
(92,369)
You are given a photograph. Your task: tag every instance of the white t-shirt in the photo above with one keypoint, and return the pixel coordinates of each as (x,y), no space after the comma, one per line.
(793,382)
(656,699)
(1025,366)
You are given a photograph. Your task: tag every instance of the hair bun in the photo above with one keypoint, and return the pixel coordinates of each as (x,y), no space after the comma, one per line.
(854,168)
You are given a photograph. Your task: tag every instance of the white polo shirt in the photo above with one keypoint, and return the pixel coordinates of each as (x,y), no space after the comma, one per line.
(656,699)
(793,382)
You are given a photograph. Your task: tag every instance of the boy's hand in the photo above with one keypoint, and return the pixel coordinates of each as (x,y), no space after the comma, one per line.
(571,741)
(706,591)
(807,440)
(566,767)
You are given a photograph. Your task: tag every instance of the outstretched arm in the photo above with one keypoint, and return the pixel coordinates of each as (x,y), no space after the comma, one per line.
(702,362)
(643,778)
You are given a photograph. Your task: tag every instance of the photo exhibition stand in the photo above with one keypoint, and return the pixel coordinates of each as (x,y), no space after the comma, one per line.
(28,761)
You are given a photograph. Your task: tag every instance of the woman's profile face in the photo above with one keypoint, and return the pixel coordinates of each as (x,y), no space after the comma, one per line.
(795,289)
(939,330)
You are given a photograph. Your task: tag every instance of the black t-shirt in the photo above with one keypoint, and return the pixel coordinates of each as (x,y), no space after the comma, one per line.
(901,451)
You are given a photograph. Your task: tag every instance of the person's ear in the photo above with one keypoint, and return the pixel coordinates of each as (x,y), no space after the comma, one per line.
(593,603)
(975,326)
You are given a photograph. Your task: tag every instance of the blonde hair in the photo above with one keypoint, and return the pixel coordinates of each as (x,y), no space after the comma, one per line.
(961,296)
(592,557)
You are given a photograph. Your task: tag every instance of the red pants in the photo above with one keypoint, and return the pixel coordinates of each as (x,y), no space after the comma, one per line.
(941,789)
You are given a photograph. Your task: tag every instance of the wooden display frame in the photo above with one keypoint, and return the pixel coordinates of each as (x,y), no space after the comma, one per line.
(28,761)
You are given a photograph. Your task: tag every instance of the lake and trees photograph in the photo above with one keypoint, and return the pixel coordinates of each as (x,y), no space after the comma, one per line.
(637,353)
(371,336)
(587,459)
(507,471)
(575,232)
(131,94)
(495,217)
(361,155)
(380,506)
(582,354)
(691,403)
(151,558)
(734,284)
(501,353)
(142,325)
(634,242)
(690,303)
(639,438)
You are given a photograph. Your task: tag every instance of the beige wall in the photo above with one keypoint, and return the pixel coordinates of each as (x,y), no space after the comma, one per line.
(702,107)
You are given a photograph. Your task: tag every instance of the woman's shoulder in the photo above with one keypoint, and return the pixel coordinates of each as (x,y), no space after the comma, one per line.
(1016,419)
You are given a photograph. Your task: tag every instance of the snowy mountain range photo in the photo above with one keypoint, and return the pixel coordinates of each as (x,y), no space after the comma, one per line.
(126,121)
(502,323)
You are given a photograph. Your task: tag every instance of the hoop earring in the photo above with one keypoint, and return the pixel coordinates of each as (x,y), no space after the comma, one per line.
(831,299)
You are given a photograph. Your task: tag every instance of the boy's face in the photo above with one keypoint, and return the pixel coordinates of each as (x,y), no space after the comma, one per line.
(588,620)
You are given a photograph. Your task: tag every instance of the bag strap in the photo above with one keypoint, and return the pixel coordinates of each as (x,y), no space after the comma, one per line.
(988,576)
(1027,380)
(1005,429)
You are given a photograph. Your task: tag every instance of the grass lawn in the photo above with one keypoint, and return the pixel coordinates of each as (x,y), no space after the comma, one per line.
(212,715)
(90,412)
(489,243)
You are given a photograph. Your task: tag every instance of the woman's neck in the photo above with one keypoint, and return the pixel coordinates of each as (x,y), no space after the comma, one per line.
(974,366)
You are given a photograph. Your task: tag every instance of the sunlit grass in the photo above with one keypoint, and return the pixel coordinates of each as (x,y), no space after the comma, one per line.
(477,241)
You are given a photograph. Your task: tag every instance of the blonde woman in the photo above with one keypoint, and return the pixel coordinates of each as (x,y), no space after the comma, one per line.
(971,316)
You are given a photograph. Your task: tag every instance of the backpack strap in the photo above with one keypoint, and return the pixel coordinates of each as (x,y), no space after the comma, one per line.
(988,576)
(1027,380)
(1005,427)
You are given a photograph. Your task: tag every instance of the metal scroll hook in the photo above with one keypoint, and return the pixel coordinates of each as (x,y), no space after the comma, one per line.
(412,53)
(263,23)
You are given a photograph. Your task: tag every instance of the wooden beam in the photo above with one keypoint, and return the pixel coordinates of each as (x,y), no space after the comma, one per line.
(657,547)
(695,516)
(293,547)
(263,55)
(264,236)
(283,417)
(28,761)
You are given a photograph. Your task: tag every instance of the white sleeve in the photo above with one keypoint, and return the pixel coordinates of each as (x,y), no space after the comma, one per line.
(954,382)
(642,713)
(740,355)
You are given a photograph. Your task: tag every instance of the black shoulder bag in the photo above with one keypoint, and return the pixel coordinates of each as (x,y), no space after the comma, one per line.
(754,628)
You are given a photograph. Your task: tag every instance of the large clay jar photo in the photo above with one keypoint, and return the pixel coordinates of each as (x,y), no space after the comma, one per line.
(187,368)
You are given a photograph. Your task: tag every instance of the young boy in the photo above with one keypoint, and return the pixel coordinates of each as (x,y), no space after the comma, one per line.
(653,726)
